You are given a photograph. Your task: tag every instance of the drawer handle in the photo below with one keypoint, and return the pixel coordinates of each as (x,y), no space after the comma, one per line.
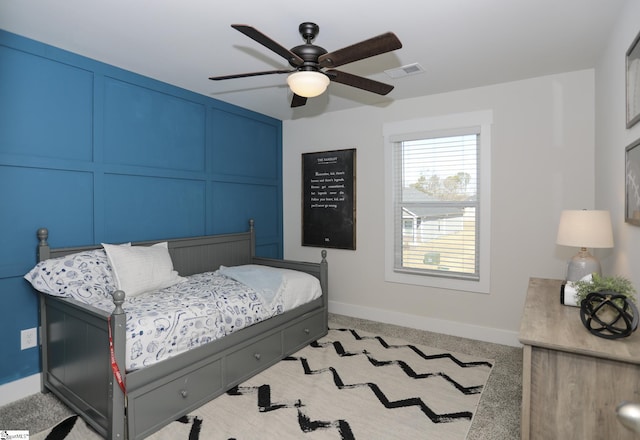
(307,331)
(184,393)
(257,356)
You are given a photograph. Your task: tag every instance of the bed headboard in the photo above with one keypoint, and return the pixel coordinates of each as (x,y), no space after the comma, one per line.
(189,255)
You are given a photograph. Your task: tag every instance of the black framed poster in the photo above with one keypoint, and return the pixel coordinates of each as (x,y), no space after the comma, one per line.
(328,199)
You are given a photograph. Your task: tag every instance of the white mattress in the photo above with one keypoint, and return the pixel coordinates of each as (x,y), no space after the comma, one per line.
(206,307)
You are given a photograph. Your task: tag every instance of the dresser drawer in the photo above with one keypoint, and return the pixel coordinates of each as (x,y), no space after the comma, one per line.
(247,361)
(171,399)
(300,334)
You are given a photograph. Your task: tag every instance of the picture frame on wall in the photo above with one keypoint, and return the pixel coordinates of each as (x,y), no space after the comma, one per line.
(328,199)
(632,184)
(632,62)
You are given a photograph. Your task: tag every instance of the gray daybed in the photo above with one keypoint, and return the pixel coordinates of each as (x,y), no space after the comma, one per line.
(76,363)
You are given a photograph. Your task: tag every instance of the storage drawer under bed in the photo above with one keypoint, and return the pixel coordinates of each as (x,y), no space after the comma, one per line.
(297,335)
(245,362)
(168,401)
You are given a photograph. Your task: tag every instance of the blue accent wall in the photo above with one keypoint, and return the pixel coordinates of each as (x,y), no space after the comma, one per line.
(98,154)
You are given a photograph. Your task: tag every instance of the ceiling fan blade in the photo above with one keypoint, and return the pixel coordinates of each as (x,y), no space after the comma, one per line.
(365,49)
(358,81)
(298,101)
(267,42)
(245,75)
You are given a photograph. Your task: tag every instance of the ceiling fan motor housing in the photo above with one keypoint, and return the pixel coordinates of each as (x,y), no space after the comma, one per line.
(308,52)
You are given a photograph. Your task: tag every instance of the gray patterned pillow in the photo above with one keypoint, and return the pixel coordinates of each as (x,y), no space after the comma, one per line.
(85,276)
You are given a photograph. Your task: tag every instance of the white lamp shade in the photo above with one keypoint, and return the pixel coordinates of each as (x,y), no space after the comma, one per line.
(585,228)
(308,83)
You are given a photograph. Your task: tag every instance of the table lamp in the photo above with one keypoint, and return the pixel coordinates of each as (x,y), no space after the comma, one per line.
(584,229)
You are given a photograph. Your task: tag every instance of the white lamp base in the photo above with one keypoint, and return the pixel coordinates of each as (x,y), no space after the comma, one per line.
(581,265)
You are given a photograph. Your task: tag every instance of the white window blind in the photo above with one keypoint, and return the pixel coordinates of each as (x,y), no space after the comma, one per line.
(436,205)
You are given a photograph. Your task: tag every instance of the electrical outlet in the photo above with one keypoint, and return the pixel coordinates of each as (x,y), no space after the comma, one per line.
(28,338)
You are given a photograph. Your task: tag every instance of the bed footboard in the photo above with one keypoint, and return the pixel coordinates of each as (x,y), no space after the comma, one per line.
(76,361)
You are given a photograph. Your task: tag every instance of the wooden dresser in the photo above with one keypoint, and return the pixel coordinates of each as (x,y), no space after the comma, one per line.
(572,381)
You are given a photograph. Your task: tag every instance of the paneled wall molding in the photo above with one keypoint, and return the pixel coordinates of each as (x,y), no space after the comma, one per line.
(99,154)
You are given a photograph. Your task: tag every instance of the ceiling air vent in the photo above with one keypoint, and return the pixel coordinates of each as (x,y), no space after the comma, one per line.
(409,69)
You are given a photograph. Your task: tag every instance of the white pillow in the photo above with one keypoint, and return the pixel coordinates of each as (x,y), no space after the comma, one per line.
(139,269)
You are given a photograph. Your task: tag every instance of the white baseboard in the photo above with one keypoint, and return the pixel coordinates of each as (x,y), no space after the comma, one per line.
(486,334)
(19,389)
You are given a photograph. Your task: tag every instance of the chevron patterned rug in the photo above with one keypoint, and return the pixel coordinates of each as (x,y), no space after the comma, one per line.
(348,385)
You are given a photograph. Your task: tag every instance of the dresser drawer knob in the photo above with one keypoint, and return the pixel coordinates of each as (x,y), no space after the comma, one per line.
(184,393)
(307,331)
(257,356)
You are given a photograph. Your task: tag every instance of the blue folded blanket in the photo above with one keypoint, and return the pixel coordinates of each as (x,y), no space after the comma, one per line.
(263,279)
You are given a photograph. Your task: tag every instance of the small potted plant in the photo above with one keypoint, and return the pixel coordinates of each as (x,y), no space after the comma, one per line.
(616,284)
(607,306)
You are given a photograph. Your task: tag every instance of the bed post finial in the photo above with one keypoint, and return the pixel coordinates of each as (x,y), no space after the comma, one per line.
(118,300)
(43,247)
(324,256)
(43,235)
(252,238)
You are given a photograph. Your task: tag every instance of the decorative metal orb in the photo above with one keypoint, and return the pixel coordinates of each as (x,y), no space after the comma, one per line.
(609,315)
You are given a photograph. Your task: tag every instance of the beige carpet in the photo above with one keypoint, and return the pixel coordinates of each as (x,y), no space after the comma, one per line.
(351,385)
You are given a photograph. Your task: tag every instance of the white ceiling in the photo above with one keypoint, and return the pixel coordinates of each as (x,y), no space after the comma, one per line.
(460,43)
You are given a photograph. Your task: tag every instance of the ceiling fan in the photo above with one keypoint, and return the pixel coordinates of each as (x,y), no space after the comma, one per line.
(313,65)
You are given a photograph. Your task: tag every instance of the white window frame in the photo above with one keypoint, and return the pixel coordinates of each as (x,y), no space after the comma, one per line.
(428,128)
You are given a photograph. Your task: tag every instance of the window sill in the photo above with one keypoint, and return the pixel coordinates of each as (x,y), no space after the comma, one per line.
(480,286)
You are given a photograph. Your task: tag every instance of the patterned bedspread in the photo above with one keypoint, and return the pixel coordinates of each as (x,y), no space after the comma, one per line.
(206,307)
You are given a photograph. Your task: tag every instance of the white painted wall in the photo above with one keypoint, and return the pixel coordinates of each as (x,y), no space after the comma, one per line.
(542,162)
(611,139)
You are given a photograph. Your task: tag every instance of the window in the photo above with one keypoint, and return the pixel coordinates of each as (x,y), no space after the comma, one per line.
(438,201)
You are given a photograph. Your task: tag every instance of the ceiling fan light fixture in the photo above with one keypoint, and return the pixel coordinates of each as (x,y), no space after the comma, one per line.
(308,84)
